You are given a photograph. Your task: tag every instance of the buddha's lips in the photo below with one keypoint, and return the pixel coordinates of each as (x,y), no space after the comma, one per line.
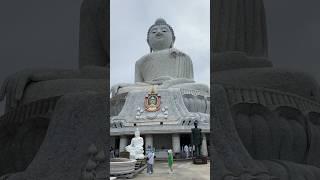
(159,36)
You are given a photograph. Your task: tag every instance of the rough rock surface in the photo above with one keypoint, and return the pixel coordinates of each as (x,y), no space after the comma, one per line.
(57,149)
(93,45)
(285,80)
(240,25)
(259,144)
(229,156)
(265,120)
(79,120)
(236,60)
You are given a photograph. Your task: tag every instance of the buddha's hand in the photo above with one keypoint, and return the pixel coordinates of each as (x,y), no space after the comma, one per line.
(160,80)
(177,81)
(14,86)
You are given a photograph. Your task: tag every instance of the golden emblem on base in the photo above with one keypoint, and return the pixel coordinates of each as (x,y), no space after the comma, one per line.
(152,101)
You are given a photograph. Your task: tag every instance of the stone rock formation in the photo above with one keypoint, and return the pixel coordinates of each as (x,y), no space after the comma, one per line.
(53,115)
(33,84)
(240,26)
(240,34)
(265,119)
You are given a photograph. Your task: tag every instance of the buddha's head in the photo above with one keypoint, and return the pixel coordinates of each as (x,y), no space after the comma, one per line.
(137,133)
(195,124)
(160,36)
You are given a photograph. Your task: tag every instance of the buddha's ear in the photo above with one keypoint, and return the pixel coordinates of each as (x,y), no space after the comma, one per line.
(173,39)
(149,45)
(171,45)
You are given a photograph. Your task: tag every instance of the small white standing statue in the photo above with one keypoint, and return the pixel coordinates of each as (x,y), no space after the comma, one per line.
(136,146)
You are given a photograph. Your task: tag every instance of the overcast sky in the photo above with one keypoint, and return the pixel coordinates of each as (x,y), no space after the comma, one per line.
(131,19)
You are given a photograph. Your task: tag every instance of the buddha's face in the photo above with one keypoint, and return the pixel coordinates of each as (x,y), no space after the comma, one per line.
(160,37)
(137,134)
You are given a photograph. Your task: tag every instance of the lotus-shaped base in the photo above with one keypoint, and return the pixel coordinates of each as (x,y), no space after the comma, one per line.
(122,166)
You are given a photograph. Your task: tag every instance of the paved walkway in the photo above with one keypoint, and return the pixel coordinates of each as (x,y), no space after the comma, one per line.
(182,170)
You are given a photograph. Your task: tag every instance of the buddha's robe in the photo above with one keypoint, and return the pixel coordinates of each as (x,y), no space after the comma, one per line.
(168,63)
(166,68)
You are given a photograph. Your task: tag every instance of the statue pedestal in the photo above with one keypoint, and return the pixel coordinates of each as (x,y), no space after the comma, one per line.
(173,112)
(200,160)
(124,154)
(140,163)
(120,166)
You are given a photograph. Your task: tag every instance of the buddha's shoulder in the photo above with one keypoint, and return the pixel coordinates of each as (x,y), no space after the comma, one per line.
(172,52)
(141,60)
(147,57)
(177,52)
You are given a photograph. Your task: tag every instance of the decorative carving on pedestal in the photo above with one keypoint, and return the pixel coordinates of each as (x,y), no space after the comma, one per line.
(143,114)
(95,166)
(152,101)
(134,114)
(5,177)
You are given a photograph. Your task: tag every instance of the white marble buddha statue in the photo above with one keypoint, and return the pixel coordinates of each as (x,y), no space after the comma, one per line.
(136,146)
(164,66)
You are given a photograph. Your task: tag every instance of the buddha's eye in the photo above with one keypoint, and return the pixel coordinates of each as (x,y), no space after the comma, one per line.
(153,32)
(164,30)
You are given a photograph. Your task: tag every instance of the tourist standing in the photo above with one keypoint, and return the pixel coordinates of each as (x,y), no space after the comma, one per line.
(182,151)
(186,150)
(170,160)
(111,152)
(116,152)
(148,149)
(190,150)
(150,160)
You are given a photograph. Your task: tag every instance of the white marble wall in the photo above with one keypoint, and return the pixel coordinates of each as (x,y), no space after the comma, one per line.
(123,143)
(148,141)
(204,147)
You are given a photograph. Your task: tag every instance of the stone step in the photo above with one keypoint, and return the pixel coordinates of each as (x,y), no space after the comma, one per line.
(132,174)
